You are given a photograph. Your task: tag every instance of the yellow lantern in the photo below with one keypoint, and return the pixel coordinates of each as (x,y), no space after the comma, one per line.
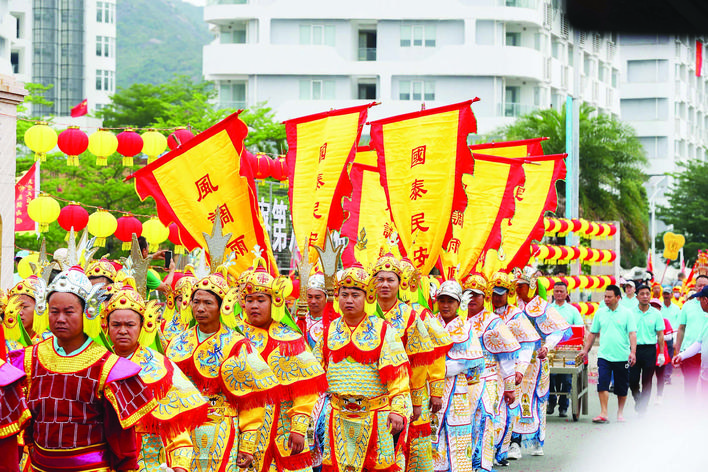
(102,144)
(101,224)
(41,139)
(154,144)
(44,210)
(155,233)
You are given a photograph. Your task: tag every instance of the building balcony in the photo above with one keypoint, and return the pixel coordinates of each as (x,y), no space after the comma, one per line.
(367,54)
(247,59)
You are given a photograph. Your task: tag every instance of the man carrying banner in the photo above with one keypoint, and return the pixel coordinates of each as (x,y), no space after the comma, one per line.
(367,373)
(497,383)
(527,337)
(420,350)
(464,362)
(552,328)
(281,441)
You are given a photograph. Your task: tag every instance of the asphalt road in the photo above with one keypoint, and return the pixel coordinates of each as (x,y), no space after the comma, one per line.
(670,437)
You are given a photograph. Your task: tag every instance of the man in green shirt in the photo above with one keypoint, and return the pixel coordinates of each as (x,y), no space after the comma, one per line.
(691,321)
(560,383)
(629,300)
(650,328)
(618,345)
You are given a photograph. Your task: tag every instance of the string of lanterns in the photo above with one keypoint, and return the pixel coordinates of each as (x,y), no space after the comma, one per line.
(560,255)
(587,309)
(589,282)
(584,228)
(101,224)
(42,138)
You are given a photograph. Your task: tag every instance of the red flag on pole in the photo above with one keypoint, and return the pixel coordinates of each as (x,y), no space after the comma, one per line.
(80,110)
(26,189)
(699,58)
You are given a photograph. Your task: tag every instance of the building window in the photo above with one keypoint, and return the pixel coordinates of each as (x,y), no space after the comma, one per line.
(417,90)
(556,48)
(318,35)
(105,46)
(234,34)
(655,147)
(644,109)
(317,89)
(418,36)
(513,39)
(649,71)
(104,80)
(105,12)
(232,95)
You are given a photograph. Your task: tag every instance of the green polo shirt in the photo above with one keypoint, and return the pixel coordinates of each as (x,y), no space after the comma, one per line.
(693,316)
(569,313)
(671,313)
(614,327)
(648,323)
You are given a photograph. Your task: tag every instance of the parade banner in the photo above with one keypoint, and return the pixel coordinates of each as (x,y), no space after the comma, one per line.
(320,148)
(492,191)
(515,149)
(205,179)
(369,226)
(26,189)
(417,156)
(537,197)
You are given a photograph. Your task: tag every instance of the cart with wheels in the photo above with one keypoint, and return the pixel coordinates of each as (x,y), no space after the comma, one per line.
(567,359)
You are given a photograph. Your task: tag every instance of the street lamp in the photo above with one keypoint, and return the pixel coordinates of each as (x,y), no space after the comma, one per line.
(652,207)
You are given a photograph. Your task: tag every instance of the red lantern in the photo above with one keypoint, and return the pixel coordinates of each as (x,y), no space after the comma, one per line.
(73,216)
(129,144)
(279,169)
(179,137)
(175,239)
(127,225)
(72,142)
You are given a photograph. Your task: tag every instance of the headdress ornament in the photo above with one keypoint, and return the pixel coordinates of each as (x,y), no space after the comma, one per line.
(102,268)
(526,276)
(476,283)
(317,282)
(357,277)
(410,276)
(260,281)
(74,281)
(388,263)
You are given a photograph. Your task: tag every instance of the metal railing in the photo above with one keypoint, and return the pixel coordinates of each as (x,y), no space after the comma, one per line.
(514,109)
(367,54)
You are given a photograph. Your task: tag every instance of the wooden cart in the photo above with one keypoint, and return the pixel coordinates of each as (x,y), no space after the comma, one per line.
(569,360)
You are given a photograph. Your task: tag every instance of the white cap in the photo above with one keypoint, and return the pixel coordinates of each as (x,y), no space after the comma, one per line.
(452,289)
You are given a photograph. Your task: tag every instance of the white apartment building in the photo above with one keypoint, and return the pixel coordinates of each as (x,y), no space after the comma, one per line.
(306,56)
(70,44)
(665,102)
(7,28)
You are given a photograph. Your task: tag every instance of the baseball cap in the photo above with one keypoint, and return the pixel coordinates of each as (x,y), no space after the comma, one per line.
(500,290)
(453,290)
(702,293)
(629,282)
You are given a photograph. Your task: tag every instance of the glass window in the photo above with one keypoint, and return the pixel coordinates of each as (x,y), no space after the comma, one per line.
(644,109)
(417,36)
(513,39)
(99,80)
(305,90)
(430,36)
(570,55)
(305,34)
(405,36)
(329,90)
(648,71)
(429,90)
(329,35)
(99,12)
(405,90)
(316,89)
(317,35)
(417,90)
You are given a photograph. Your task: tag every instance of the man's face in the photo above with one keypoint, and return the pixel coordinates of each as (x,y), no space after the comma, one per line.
(522,291)
(656,291)
(205,307)
(611,299)
(476,303)
(351,301)
(643,296)
(66,320)
(499,301)
(629,289)
(316,301)
(100,280)
(700,283)
(667,298)
(27,311)
(447,306)
(124,329)
(560,294)
(386,285)
(258,309)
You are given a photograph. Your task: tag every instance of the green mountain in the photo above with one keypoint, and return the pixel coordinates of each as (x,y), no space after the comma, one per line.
(157,39)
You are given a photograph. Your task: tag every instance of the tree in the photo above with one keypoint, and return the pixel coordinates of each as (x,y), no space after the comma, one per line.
(611,171)
(687,195)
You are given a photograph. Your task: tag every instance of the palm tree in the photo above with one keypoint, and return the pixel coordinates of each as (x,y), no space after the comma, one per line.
(612,177)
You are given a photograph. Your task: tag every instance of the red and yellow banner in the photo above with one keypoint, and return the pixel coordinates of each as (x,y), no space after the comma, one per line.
(205,179)
(369,226)
(417,156)
(526,225)
(320,148)
(491,191)
(514,149)
(26,189)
